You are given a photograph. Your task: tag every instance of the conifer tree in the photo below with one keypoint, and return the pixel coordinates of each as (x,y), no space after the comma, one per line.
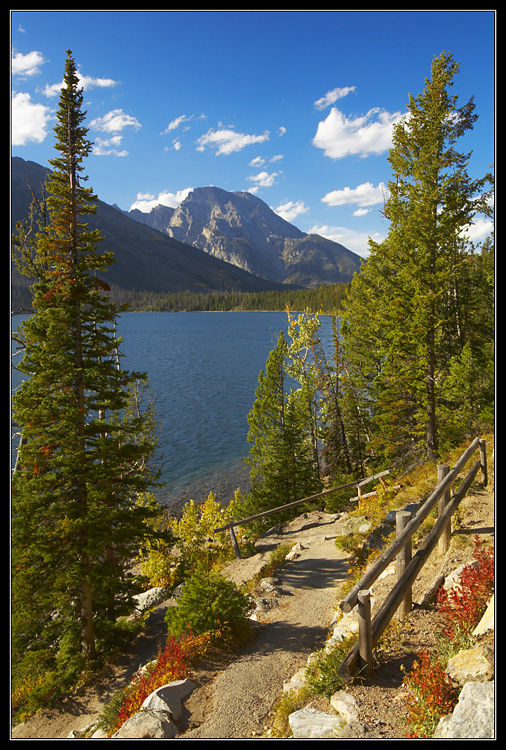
(82,463)
(281,458)
(404,313)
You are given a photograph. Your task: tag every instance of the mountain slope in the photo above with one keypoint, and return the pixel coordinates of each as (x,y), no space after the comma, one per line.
(243,230)
(146,259)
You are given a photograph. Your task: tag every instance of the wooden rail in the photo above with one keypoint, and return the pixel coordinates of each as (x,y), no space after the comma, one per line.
(324,493)
(359,658)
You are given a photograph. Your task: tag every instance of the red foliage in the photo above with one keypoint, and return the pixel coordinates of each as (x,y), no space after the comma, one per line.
(171,664)
(463,606)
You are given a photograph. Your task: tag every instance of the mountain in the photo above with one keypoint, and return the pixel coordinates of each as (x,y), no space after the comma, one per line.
(242,229)
(146,259)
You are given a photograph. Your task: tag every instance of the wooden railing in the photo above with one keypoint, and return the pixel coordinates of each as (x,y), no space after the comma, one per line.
(359,483)
(359,658)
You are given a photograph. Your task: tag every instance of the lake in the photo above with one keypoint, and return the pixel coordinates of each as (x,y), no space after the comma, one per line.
(203,371)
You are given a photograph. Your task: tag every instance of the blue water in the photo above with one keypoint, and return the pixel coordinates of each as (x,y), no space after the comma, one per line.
(203,371)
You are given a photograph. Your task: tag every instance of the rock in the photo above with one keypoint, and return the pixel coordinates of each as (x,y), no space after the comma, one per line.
(487,621)
(147,725)
(170,697)
(297,682)
(268,585)
(295,552)
(452,580)
(345,705)
(472,665)
(308,723)
(354,730)
(473,717)
(150,598)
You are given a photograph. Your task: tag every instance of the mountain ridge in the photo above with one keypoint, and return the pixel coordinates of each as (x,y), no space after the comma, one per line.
(240,228)
(146,259)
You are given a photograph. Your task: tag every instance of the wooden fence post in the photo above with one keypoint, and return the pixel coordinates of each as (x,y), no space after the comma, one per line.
(365,632)
(444,539)
(483,461)
(234,542)
(402,518)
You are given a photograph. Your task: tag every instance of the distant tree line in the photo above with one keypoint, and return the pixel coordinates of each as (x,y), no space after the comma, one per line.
(324,299)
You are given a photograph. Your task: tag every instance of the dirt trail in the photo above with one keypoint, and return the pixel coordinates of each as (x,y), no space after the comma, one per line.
(302,607)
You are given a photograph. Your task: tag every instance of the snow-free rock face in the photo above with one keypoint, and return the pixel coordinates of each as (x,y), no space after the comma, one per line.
(241,229)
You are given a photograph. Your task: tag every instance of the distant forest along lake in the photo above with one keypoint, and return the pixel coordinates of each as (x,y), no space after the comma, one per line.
(203,371)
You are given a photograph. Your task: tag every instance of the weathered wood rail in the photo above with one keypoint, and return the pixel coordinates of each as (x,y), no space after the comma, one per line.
(359,483)
(359,659)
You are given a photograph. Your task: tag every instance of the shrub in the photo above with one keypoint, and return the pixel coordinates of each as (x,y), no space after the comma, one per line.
(463,606)
(209,603)
(432,695)
(322,675)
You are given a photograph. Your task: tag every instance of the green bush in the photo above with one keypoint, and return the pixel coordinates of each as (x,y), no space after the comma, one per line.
(209,603)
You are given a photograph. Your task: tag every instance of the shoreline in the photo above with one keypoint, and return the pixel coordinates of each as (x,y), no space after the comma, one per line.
(222,482)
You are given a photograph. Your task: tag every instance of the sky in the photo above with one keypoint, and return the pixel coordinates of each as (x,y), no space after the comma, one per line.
(296,107)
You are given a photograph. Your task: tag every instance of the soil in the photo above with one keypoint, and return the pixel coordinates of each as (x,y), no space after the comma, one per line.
(236,694)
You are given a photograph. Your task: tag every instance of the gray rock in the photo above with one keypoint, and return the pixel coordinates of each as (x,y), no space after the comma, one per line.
(473,717)
(308,723)
(147,725)
(169,698)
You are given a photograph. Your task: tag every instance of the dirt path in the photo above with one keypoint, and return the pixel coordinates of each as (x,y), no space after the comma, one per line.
(297,624)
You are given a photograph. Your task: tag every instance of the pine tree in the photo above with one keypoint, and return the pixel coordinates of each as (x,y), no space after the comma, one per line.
(281,458)
(404,313)
(83,459)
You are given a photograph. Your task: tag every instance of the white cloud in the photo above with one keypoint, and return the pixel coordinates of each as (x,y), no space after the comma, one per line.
(281,130)
(368,134)
(227,141)
(332,96)
(363,195)
(290,210)
(115,121)
(27,65)
(108,146)
(30,122)
(358,242)
(182,119)
(264,179)
(258,161)
(478,230)
(85,82)
(146,201)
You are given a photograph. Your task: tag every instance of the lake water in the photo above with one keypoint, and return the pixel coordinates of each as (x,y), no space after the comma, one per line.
(203,371)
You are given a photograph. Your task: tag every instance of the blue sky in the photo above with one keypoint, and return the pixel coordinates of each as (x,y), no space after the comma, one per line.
(295,106)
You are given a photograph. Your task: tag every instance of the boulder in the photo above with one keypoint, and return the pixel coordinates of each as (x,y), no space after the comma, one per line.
(345,705)
(472,665)
(308,723)
(147,725)
(473,717)
(169,698)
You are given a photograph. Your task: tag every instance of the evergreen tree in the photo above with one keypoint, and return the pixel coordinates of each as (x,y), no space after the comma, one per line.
(75,516)
(281,458)
(405,311)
